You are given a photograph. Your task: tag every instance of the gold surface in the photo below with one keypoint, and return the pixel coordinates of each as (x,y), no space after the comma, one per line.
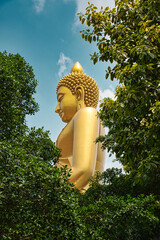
(77,101)
(77,68)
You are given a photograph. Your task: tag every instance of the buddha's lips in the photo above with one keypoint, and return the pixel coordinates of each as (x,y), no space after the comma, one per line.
(60,114)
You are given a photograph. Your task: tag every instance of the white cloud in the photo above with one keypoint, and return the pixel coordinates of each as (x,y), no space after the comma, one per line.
(110,163)
(65,63)
(39,5)
(83,4)
(106,93)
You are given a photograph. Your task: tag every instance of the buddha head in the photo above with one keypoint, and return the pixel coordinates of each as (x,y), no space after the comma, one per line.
(74,91)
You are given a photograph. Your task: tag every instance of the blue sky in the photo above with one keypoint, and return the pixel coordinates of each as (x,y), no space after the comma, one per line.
(46,34)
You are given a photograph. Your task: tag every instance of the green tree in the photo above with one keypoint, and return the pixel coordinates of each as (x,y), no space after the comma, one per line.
(36,199)
(38,202)
(17,86)
(124,218)
(129,37)
(115,209)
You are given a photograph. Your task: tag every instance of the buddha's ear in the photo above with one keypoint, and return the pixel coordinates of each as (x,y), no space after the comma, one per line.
(79,91)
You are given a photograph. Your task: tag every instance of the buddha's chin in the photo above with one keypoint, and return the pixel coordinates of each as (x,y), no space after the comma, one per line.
(65,119)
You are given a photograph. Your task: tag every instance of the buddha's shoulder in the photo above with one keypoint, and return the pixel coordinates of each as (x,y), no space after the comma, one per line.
(87,111)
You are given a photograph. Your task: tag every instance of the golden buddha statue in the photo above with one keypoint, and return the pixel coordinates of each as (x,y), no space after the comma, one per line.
(77,96)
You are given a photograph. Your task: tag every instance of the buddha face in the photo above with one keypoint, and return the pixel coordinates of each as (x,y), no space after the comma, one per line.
(67,104)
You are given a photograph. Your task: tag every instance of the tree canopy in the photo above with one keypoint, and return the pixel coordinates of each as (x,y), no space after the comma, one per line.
(17,86)
(129,37)
(36,199)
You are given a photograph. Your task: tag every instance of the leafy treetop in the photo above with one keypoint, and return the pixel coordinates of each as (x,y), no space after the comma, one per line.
(129,37)
(18,85)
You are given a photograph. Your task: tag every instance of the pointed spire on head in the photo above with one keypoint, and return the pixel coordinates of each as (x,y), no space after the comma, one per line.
(77,68)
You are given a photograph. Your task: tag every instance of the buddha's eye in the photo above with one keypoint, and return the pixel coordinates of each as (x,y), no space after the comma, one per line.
(60,98)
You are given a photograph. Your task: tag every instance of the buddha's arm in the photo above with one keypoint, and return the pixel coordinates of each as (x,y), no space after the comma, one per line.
(86,130)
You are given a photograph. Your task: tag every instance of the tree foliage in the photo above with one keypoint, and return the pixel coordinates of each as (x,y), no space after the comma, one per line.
(17,86)
(124,218)
(129,37)
(36,199)
(115,209)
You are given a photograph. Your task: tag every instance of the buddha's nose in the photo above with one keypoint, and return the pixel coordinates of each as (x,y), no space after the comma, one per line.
(57,109)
